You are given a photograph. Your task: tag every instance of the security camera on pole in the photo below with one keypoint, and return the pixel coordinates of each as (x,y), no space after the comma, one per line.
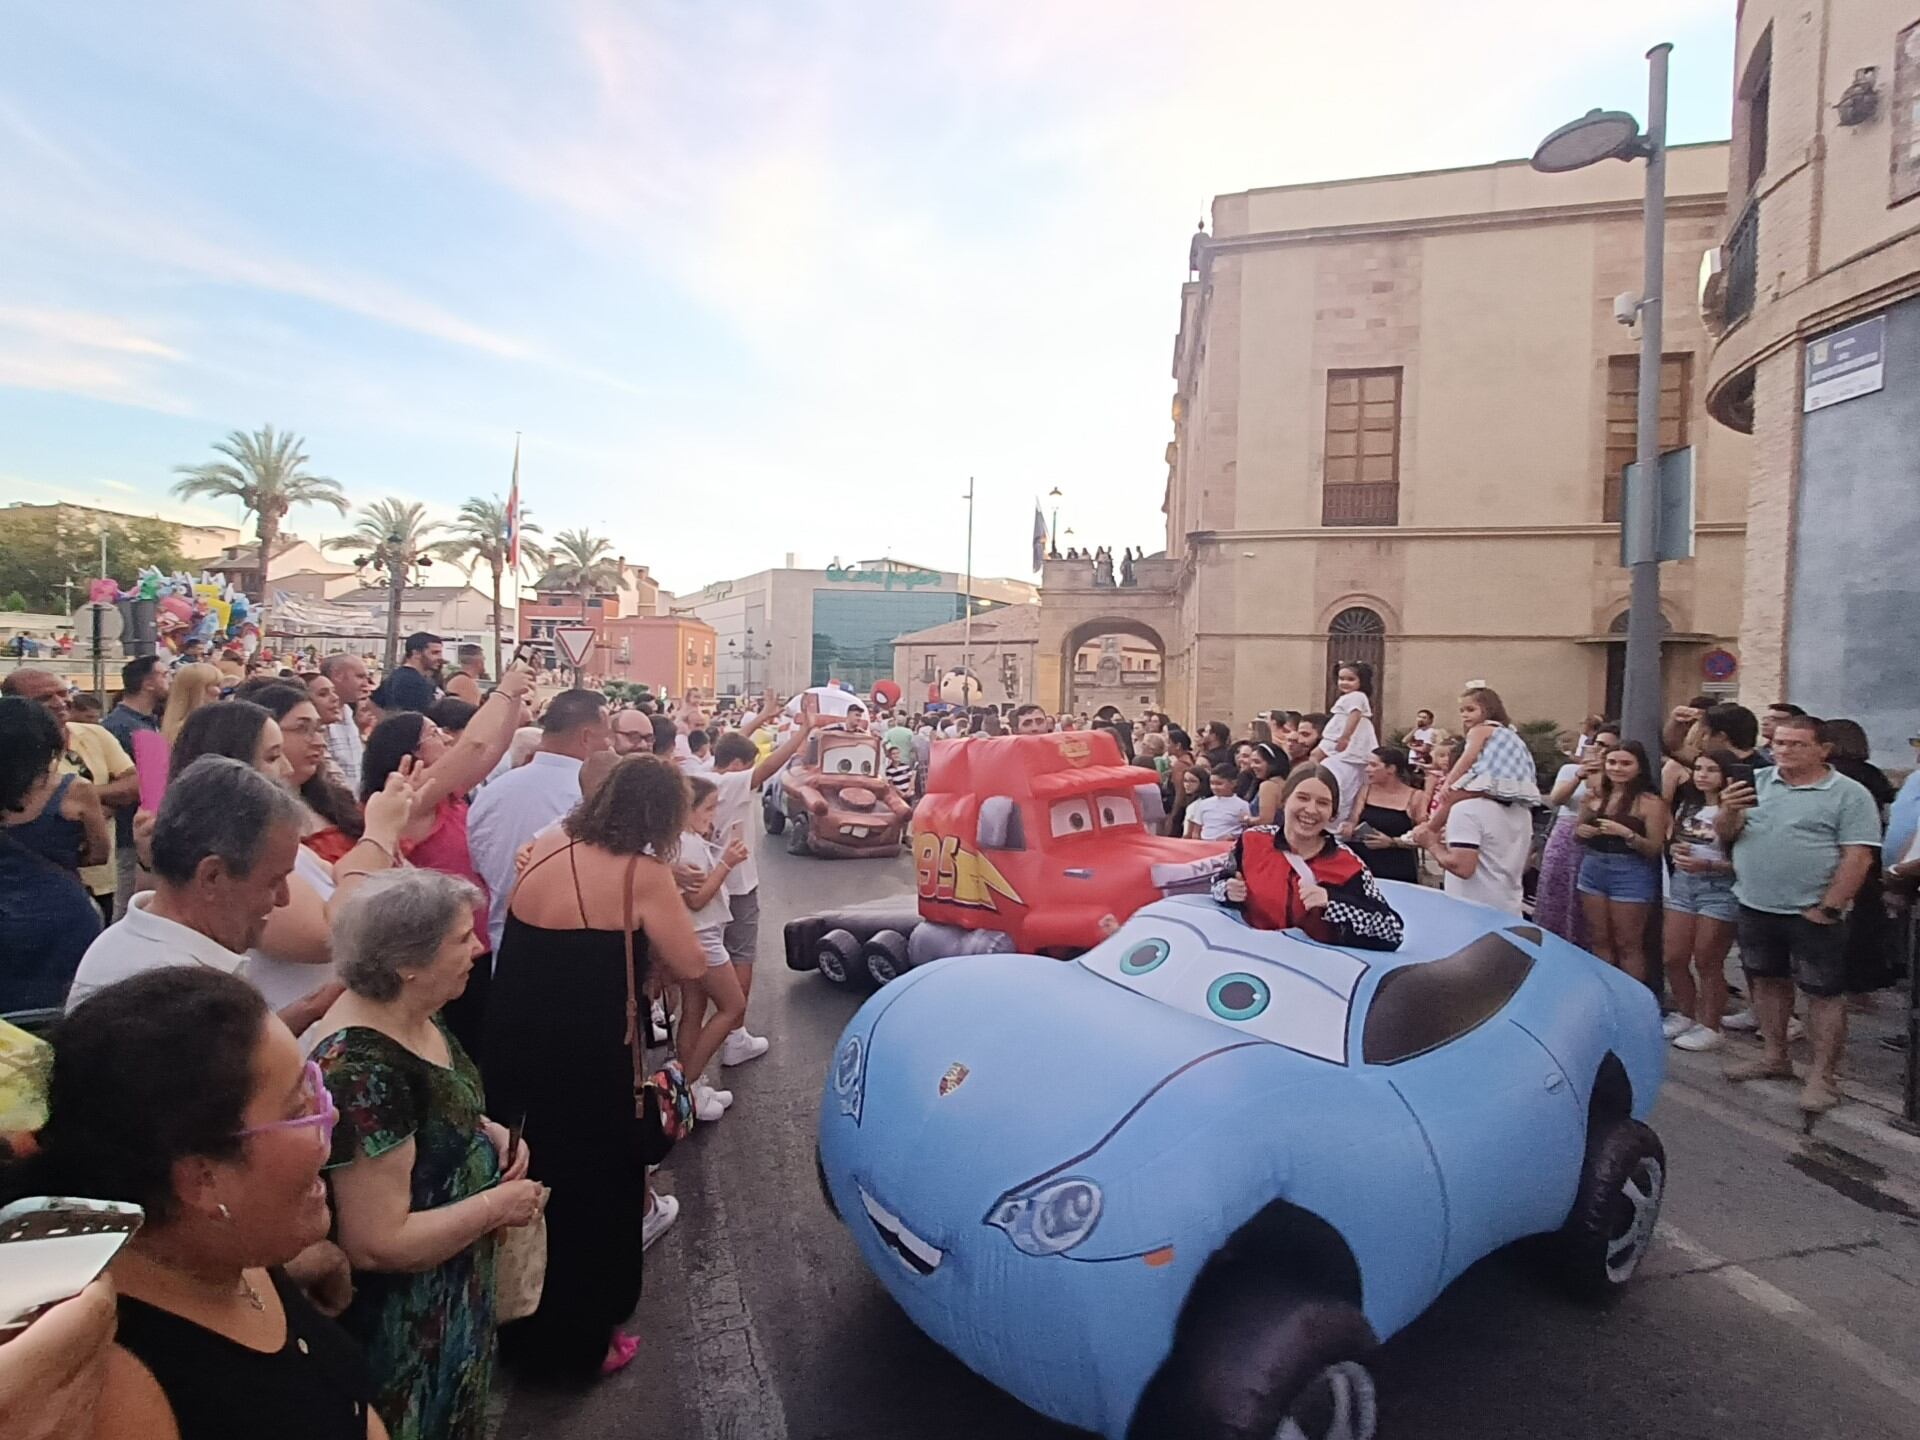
(1614,135)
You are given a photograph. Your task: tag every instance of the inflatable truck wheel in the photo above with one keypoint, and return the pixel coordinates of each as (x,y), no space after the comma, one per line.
(820,1174)
(1610,1227)
(1253,1360)
(799,833)
(838,958)
(886,956)
(771,815)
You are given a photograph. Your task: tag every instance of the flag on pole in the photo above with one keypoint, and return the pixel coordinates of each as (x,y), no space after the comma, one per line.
(513,513)
(1039,535)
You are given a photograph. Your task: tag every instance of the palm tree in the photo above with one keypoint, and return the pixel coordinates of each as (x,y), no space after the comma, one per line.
(581,563)
(394,535)
(266,472)
(480,538)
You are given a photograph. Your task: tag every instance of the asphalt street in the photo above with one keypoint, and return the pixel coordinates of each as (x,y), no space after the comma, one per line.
(1780,1300)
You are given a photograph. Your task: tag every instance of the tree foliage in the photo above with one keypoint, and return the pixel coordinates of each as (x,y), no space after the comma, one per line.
(267,473)
(41,546)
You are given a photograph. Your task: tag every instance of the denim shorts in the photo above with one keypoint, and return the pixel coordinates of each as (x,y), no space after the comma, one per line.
(1707,895)
(1629,879)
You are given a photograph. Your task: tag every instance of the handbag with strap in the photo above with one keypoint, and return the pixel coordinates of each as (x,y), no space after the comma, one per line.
(662,1101)
(520,1270)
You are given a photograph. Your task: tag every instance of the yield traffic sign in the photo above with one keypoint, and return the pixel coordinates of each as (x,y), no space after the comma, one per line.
(575,641)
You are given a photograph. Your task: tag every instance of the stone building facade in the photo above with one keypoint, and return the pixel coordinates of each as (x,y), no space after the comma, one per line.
(1817,298)
(1401,405)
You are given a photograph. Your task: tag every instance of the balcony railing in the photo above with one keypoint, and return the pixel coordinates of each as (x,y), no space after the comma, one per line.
(1743,261)
(1372,502)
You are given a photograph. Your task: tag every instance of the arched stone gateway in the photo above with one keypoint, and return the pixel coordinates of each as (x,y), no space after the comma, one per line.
(1115,678)
(1075,612)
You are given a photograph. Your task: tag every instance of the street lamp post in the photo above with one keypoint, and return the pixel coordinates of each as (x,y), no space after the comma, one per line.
(1614,135)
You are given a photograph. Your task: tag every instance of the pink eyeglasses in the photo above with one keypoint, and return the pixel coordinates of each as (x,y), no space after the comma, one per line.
(325,1112)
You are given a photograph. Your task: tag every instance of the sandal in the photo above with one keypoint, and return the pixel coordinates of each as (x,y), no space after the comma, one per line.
(620,1352)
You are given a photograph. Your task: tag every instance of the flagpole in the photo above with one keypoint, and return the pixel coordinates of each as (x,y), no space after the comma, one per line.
(966,645)
(513,556)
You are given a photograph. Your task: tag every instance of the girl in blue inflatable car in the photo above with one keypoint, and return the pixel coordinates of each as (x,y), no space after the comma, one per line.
(1297,876)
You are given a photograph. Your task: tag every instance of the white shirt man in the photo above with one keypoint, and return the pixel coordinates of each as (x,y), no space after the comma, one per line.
(1483,854)
(351,683)
(512,808)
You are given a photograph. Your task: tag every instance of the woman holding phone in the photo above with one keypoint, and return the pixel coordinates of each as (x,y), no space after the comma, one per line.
(1623,825)
(1701,913)
(422,1180)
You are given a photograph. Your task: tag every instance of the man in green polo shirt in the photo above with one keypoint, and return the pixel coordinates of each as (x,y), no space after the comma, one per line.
(1803,837)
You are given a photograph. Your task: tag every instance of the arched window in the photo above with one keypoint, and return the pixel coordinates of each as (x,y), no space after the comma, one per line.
(1357,634)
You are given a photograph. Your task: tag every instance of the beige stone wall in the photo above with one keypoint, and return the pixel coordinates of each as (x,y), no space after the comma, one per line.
(1493,290)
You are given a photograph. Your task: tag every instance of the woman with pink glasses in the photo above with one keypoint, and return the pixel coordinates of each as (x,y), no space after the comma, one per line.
(179,1091)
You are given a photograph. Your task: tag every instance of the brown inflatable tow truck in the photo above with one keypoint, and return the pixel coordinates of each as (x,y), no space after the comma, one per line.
(834,800)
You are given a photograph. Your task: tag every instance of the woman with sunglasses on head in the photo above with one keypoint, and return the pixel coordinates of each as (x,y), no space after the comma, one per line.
(422,1180)
(178,1091)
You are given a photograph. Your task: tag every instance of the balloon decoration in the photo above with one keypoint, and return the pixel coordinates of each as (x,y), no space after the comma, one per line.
(885,695)
(207,609)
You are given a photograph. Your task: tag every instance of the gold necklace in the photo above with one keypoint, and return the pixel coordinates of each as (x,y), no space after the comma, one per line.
(249,1294)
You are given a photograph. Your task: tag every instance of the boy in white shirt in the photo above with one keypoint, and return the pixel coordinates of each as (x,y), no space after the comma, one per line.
(1222,815)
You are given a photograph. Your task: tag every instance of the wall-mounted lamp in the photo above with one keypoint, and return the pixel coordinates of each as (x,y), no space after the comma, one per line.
(1860,101)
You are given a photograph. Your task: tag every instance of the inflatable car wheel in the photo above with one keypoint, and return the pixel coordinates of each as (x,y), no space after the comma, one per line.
(799,832)
(1610,1227)
(885,954)
(837,956)
(771,814)
(1254,1359)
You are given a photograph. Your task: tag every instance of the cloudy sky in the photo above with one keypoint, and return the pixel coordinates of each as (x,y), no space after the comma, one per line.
(751,276)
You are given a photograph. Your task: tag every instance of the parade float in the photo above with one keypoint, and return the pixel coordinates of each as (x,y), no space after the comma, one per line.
(1042,844)
(1184,1184)
(834,800)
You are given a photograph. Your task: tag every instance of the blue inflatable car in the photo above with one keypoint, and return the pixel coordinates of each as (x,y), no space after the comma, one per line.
(1182,1185)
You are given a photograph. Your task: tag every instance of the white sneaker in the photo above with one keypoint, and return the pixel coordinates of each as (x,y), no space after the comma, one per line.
(1699,1038)
(710,1104)
(658,1220)
(1675,1024)
(1742,1020)
(1796,1029)
(740,1047)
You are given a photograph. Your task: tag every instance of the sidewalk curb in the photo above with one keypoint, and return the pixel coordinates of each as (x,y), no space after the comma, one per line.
(1862,1127)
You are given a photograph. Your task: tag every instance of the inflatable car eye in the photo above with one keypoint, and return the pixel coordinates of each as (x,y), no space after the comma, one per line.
(1147,955)
(850,1075)
(1116,810)
(1051,1220)
(1071,817)
(1238,996)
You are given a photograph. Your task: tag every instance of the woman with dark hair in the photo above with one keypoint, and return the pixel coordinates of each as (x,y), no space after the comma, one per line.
(443,773)
(1386,811)
(1556,894)
(1872,942)
(1702,915)
(595,906)
(47,919)
(1297,876)
(1623,824)
(1268,768)
(237,729)
(178,1091)
(1195,784)
(338,822)
(1348,737)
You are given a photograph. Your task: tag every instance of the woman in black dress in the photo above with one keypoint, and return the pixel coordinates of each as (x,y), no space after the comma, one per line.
(180,1092)
(597,890)
(1389,806)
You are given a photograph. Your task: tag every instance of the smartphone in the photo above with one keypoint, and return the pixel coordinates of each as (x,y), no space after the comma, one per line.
(514,1133)
(52,1247)
(810,704)
(1740,773)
